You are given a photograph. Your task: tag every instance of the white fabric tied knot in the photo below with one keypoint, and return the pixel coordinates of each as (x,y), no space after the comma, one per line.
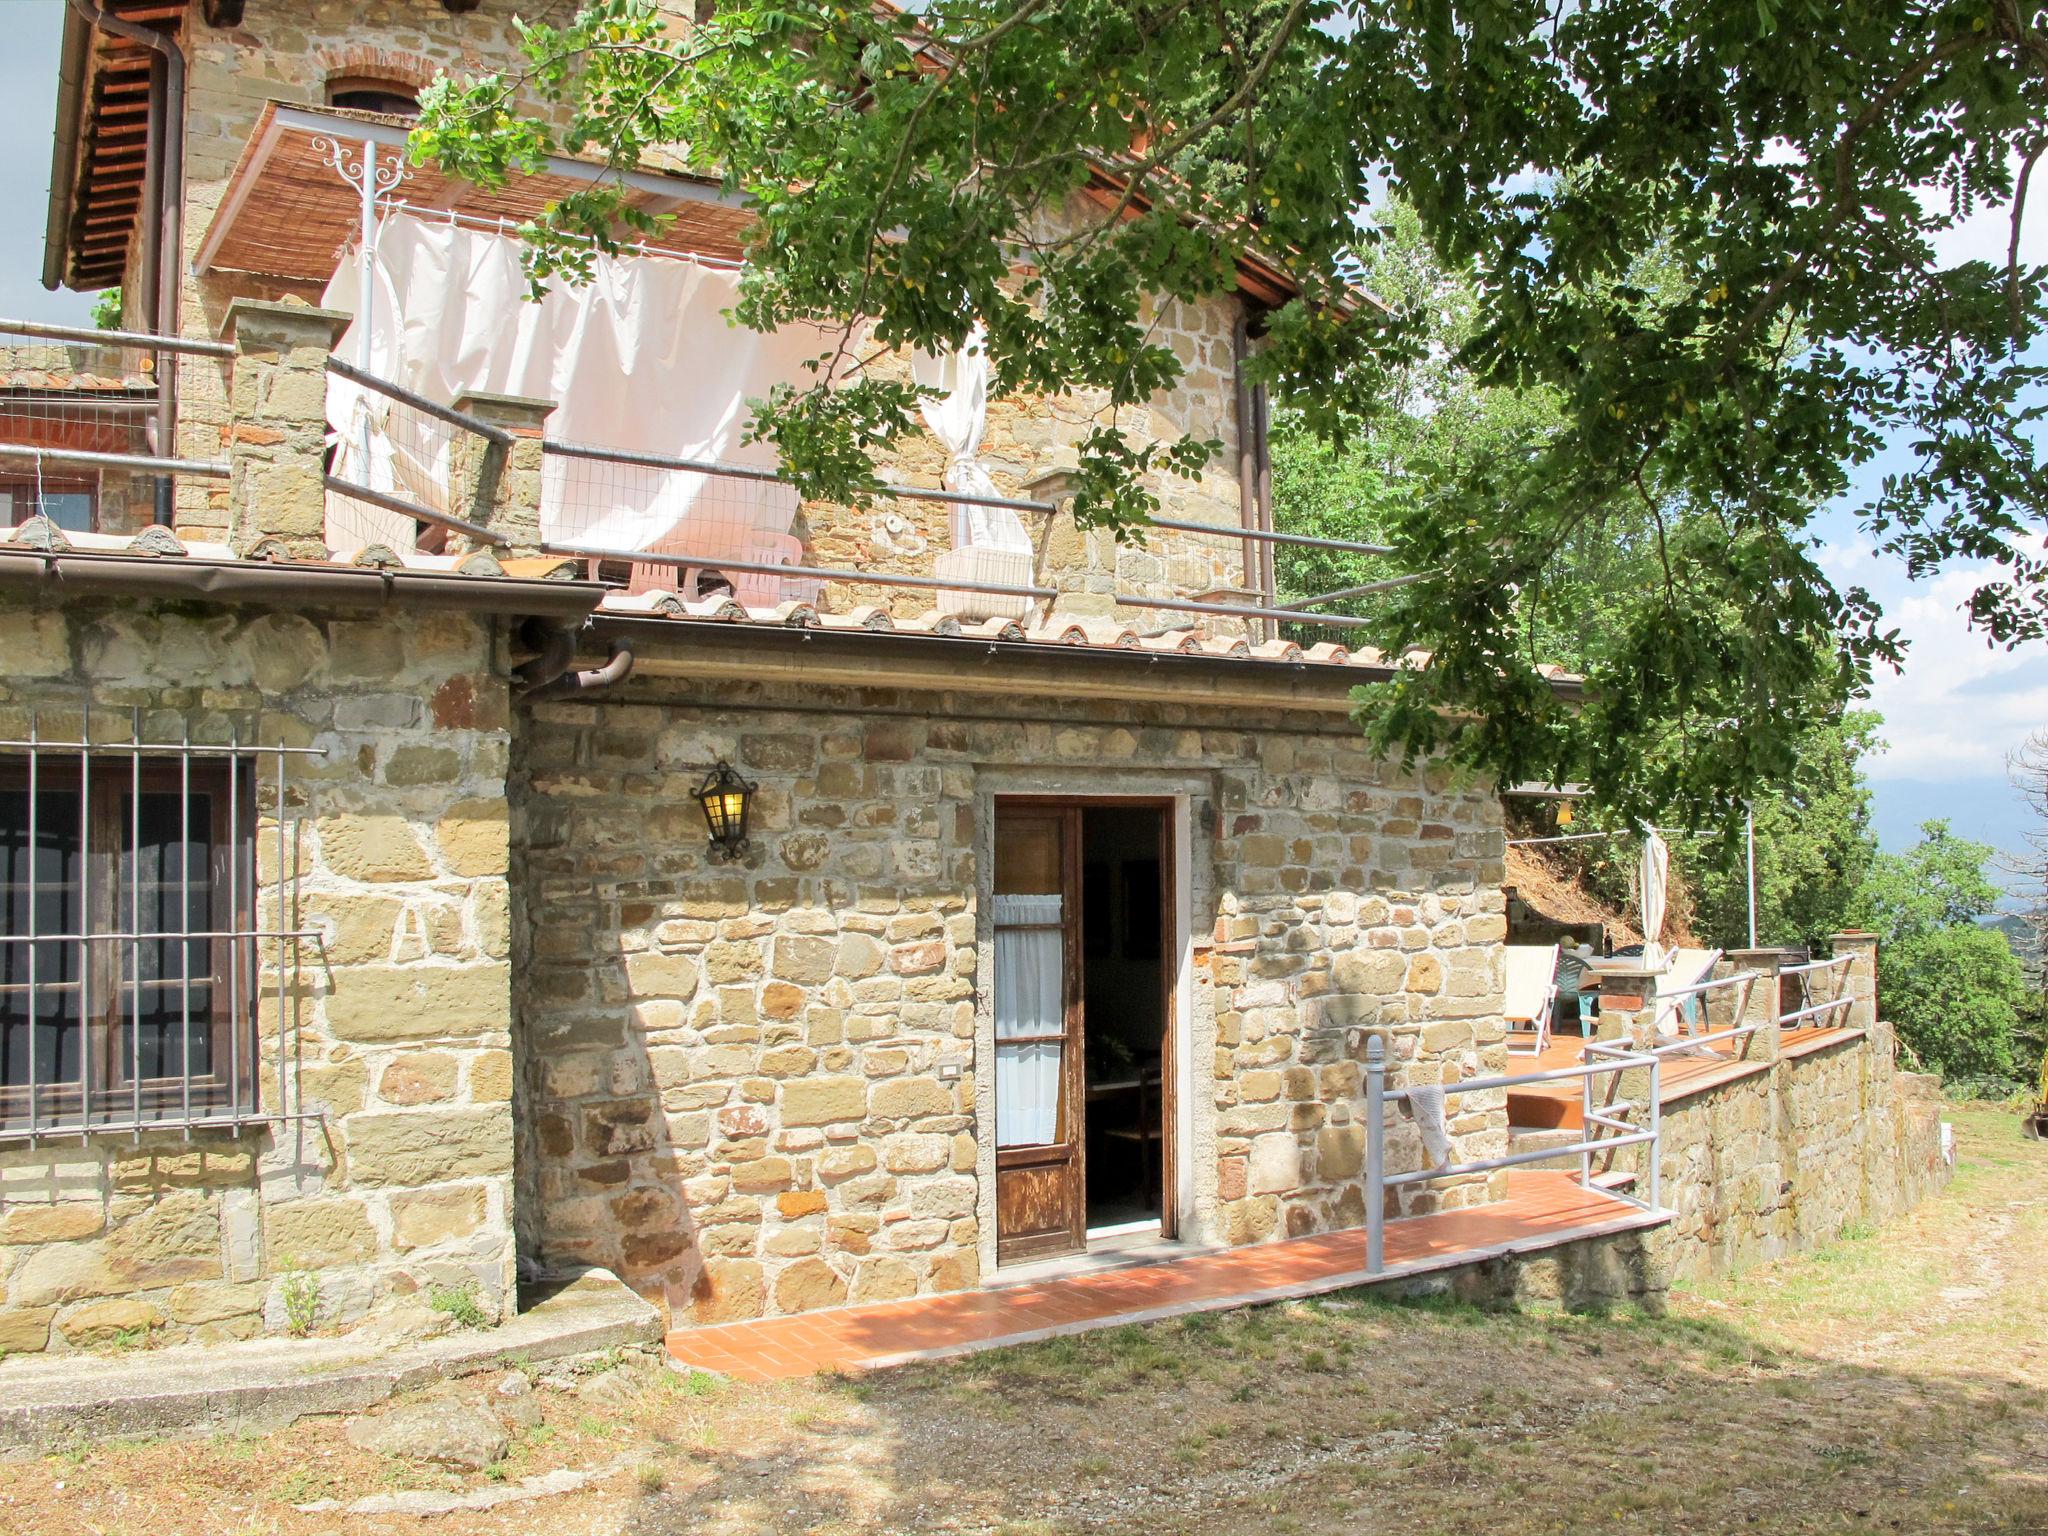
(958,418)
(1426,1104)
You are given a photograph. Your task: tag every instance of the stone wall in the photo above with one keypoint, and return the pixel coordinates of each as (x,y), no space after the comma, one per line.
(1032,435)
(754,1088)
(396,853)
(1790,1157)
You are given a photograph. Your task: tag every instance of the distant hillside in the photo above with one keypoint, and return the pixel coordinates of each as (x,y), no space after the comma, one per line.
(2019,933)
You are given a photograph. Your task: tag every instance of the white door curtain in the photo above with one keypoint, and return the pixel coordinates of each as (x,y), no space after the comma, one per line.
(989,544)
(1030,1000)
(640,358)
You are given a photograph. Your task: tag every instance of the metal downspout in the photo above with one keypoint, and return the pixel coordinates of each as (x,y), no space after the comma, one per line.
(64,152)
(1262,419)
(1247,448)
(567,685)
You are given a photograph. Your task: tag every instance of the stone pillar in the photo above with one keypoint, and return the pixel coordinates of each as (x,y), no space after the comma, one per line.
(1763,999)
(499,486)
(1860,985)
(277,427)
(1628,997)
(1065,545)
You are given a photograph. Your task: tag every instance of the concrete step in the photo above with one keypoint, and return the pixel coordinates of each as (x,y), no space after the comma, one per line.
(1536,1138)
(263,1384)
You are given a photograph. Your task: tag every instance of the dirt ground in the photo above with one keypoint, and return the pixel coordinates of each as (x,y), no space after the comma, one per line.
(1896,1381)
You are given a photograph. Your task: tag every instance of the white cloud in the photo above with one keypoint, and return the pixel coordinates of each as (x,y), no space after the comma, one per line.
(1959,706)
(1986,234)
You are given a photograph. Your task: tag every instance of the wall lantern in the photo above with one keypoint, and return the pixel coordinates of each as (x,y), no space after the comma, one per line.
(725,797)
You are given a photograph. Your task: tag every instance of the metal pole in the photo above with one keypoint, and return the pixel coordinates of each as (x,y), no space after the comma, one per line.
(366,300)
(135,916)
(84,922)
(1586,1130)
(1751,832)
(35,854)
(184,890)
(281,921)
(235,922)
(366,240)
(1656,1141)
(1375,1155)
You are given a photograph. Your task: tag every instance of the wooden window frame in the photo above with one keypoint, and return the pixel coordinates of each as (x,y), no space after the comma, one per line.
(109,1048)
(23,491)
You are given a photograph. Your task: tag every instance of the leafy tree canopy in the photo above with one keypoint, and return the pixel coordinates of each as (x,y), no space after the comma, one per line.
(1705,232)
(1953,987)
(1938,883)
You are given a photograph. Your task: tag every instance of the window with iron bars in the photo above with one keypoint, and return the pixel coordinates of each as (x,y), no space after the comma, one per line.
(131,946)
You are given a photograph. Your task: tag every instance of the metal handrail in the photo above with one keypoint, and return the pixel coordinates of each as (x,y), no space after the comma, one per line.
(1270,536)
(211,468)
(1364,589)
(641,460)
(1683,1043)
(1814,1010)
(1815,965)
(420,403)
(46,332)
(406,508)
(1695,988)
(1378,1182)
(903,579)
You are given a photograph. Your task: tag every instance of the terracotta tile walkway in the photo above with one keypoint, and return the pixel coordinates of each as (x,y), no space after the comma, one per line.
(1543,1210)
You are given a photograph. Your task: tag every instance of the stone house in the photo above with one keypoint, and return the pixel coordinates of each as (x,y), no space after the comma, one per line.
(361,912)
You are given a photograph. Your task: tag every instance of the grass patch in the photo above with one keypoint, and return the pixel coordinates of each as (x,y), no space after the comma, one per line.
(460,1304)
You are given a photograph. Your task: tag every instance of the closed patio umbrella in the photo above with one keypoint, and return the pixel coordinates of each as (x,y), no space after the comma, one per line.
(1653,876)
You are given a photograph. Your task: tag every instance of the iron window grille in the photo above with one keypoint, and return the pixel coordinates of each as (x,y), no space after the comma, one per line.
(134,934)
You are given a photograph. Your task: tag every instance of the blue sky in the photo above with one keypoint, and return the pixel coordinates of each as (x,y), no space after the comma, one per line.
(1951,718)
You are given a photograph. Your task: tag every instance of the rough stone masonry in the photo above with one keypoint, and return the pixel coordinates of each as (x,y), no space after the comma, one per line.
(737,1073)
(397,1036)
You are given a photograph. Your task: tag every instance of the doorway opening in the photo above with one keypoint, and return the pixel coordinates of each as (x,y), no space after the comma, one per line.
(1083,926)
(1123,997)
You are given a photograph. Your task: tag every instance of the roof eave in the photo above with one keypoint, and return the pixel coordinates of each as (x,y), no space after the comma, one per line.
(70,120)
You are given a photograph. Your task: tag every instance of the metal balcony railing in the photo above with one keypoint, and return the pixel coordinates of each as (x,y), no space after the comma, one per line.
(89,423)
(1606,1130)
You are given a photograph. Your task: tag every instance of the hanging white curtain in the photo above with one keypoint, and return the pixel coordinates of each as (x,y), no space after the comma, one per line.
(1653,884)
(990,545)
(1030,1000)
(959,418)
(640,358)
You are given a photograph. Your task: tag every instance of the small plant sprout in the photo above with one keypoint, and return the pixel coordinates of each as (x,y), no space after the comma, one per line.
(299,1289)
(461,1304)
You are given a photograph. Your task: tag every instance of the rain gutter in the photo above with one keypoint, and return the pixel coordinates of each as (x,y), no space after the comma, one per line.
(94,575)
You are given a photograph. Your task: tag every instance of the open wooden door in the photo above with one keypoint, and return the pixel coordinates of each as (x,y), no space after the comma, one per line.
(1041,1200)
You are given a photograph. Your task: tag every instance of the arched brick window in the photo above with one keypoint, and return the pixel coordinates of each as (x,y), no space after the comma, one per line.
(368,93)
(375,80)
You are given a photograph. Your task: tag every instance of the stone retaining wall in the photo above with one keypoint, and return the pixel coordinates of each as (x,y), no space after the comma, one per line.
(1790,1157)
(743,1078)
(398,838)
